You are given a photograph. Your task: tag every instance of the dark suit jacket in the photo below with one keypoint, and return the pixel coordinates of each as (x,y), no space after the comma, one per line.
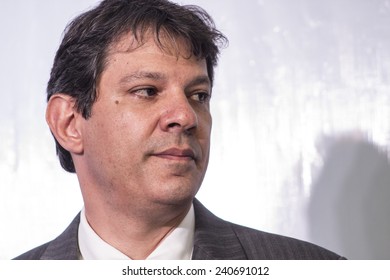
(214,239)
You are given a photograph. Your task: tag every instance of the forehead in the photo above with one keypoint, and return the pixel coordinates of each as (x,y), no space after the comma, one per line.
(166,43)
(167,56)
(133,60)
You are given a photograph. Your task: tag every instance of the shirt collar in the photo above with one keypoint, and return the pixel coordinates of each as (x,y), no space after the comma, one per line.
(178,245)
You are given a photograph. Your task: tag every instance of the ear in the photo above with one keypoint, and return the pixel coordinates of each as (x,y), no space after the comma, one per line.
(65,122)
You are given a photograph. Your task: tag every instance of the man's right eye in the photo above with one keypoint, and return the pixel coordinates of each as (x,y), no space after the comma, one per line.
(144,92)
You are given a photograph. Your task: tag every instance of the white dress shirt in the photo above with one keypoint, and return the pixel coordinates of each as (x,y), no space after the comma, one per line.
(178,245)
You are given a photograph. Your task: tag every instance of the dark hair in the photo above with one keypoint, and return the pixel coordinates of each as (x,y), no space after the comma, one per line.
(80,59)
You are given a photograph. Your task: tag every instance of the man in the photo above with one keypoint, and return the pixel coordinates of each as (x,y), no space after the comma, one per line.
(128,105)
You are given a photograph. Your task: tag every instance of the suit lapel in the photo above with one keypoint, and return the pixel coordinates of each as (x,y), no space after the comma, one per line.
(214,239)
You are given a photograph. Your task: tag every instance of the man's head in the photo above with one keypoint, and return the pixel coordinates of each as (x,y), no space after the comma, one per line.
(82,55)
(128,102)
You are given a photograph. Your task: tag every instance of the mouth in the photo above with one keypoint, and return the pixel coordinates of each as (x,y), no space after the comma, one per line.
(176,154)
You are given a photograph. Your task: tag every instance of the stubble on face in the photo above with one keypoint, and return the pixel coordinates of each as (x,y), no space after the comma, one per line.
(137,151)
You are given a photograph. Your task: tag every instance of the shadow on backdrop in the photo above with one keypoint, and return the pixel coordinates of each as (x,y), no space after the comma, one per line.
(349,208)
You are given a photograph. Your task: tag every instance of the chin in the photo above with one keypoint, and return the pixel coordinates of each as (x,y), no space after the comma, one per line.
(175,195)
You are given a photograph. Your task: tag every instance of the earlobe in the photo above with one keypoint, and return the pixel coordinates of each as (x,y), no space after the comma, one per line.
(64,122)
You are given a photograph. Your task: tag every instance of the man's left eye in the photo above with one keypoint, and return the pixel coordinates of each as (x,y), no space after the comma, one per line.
(202,97)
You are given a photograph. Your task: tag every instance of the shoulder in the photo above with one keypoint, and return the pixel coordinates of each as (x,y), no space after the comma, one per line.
(264,245)
(64,247)
(34,254)
(219,239)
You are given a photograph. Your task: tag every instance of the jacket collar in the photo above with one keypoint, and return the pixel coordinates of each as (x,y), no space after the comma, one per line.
(214,239)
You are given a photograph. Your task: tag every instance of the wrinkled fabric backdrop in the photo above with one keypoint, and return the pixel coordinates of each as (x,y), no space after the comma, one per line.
(301,122)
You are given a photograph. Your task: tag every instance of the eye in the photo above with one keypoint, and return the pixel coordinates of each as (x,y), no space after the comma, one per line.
(201,97)
(147,92)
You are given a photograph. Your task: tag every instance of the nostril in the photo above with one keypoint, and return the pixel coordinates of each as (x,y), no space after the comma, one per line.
(173,125)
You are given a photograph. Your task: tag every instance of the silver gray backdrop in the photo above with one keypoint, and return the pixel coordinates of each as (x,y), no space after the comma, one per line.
(300,134)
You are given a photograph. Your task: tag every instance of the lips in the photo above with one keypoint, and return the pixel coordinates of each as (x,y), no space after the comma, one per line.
(176,154)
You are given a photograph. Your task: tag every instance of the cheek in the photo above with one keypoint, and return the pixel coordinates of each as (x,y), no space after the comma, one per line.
(205,125)
(103,131)
(204,135)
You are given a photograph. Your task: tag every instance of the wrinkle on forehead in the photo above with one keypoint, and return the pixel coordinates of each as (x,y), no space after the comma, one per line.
(165,41)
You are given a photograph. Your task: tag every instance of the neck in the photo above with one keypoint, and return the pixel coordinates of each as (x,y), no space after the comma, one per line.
(135,235)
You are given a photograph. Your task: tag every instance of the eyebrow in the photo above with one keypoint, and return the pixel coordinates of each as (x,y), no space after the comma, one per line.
(156,76)
(142,75)
(200,80)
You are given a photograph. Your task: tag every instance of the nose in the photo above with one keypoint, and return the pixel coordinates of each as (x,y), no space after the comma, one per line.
(178,115)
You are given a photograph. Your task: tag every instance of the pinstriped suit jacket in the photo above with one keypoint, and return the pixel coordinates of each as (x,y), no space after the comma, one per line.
(214,239)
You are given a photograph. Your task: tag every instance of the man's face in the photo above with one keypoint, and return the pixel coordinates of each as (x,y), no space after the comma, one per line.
(147,140)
